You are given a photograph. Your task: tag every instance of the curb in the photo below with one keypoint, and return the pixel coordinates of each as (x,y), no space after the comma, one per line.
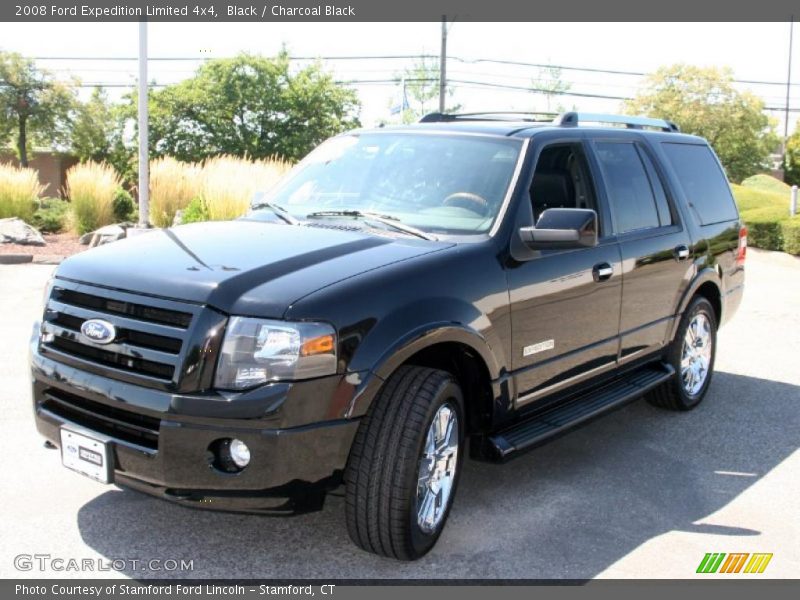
(15,259)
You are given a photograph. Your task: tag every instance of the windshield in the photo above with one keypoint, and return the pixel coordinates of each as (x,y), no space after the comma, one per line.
(445,184)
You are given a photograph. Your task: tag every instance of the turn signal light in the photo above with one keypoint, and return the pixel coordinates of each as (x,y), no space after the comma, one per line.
(318,345)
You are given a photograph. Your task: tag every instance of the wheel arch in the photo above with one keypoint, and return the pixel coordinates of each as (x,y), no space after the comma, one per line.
(707,283)
(461,351)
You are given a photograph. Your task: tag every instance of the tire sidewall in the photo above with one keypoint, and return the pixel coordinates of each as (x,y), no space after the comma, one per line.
(450,394)
(700,305)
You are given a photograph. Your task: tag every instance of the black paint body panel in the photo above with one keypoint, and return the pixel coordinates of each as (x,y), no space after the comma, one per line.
(388,297)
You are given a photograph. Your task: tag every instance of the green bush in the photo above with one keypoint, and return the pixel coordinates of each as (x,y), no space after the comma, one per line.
(123,205)
(764,234)
(195,211)
(52,215)
(790,230)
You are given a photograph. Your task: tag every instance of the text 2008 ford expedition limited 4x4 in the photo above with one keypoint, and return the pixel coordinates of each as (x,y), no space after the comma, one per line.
(405,296)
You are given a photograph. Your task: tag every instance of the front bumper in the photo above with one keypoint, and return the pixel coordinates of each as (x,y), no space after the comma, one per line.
(166,454)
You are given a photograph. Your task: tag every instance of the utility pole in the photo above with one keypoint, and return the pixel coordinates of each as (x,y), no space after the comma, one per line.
(144,179)
(788,89)
(443,65)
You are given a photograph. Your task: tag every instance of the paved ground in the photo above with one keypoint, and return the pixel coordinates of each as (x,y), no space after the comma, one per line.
(640,493)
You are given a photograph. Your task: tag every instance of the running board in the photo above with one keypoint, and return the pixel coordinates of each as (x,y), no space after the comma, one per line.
(555,420)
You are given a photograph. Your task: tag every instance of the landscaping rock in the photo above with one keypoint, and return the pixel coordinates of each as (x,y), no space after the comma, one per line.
(16,231)
(107,234)
(178,219)
(86,238)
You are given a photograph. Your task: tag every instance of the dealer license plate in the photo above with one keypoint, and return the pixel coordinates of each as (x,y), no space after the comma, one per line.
(86,455)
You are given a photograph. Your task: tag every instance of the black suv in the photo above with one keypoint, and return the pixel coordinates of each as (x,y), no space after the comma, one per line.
(471,283)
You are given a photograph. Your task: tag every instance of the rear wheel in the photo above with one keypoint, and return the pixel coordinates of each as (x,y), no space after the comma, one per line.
(405,462)
(692,356)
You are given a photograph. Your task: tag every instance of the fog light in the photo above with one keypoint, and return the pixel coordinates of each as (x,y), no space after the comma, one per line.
(240,453)
(228,455)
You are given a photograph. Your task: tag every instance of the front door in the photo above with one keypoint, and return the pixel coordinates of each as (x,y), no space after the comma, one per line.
(565,304)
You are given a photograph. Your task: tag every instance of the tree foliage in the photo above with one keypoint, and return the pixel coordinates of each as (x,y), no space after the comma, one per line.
(93,127)
(34,107)
(550,83)
(791,165)
(422,90)
(704,102)
(248,106)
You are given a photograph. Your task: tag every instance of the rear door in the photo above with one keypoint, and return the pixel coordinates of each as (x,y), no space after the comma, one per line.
(654,244)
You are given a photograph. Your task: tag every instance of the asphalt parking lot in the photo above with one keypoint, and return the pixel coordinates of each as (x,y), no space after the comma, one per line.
(640,493)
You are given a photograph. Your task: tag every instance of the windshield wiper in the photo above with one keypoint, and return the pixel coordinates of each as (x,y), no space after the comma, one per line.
(387,220)
(278,210)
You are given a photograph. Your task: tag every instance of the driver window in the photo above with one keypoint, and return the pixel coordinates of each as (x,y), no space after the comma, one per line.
(561,180)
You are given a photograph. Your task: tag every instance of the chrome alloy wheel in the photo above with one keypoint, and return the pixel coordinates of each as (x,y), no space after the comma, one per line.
(437,469)
(696,354)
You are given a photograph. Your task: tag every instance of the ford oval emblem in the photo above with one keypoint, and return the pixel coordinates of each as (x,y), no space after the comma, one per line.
(98,331)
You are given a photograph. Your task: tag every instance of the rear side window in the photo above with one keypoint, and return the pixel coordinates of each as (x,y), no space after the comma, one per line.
(703,182)
(629,190)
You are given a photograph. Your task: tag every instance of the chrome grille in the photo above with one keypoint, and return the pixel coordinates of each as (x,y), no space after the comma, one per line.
(151,333)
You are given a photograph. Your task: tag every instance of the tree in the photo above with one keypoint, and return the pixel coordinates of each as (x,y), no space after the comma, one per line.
(549,82)
(33,105)
(248,106)
(791,163)
(93,127)
(422,89)
(703,101)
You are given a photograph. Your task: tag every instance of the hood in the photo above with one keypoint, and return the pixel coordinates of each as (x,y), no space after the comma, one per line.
(239,267)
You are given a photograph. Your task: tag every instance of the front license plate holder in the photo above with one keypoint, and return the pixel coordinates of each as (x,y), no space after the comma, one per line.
(87,454)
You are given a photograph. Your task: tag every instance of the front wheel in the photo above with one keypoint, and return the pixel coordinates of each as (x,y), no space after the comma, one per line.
(404,465)
(692,356)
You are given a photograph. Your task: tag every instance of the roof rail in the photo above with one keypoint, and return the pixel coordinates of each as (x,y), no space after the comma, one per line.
(498,115)
(573,119)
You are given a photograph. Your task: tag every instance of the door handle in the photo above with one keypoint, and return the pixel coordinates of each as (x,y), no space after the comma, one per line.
(602,272)
(681,252)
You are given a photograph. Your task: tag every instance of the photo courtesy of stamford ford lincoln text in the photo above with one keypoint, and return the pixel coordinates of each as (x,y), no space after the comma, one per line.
(304,299)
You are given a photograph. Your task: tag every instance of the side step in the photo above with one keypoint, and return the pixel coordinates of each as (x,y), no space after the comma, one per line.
(555,420)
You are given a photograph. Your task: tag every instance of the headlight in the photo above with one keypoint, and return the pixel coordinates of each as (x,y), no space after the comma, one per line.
(255,351)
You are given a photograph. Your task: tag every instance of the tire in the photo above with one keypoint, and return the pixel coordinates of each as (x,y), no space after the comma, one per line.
(386,460)
(682,392)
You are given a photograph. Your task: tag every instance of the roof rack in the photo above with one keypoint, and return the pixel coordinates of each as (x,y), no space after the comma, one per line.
(496,115)
(573,119)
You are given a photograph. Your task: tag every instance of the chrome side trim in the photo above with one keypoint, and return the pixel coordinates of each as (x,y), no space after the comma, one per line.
(523,400)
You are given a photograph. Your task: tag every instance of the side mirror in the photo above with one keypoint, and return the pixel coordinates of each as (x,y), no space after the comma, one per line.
(562,228)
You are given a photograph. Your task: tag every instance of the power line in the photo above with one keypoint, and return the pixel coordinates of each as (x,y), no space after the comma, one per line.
(463,83)
(407,57)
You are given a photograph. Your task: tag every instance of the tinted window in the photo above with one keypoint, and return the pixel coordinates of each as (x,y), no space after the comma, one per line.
(629,190)
(561,180)
(664,213)
(702,181)
(440,183)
